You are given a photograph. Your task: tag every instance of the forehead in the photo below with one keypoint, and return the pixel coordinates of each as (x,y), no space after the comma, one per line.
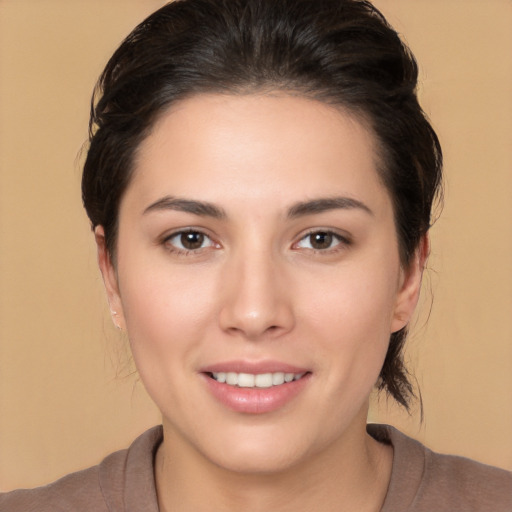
(256,147)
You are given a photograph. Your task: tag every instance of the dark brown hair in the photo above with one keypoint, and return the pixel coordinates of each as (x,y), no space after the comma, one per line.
(342,52)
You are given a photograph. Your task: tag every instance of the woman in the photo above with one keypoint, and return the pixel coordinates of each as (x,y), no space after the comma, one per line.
(260,180)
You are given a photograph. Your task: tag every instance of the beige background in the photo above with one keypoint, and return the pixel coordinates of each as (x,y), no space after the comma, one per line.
(66,394)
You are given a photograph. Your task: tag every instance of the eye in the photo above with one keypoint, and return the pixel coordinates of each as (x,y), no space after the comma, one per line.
(190,240)
(321,240)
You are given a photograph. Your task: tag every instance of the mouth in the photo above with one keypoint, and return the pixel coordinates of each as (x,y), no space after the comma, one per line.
(255,380)
(256,387)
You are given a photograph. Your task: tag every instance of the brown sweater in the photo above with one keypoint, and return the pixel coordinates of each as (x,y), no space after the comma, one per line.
(421,481)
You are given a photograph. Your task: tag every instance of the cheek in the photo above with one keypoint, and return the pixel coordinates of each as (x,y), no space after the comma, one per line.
(356,301)
(167,311)
(351,315)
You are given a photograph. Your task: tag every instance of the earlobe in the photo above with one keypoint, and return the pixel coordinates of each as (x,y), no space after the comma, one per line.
(410,286)
(109,275)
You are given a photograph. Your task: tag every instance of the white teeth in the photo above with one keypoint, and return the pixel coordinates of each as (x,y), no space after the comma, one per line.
(277,378)
(260,380)
(245,380)
(232,378)
(263,380)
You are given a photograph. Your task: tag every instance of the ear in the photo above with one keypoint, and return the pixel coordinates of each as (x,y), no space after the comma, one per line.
(109,275)
(410,286)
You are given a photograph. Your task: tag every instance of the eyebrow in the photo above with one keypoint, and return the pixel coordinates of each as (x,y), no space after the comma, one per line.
(303,208)
(325,204)
(201,208)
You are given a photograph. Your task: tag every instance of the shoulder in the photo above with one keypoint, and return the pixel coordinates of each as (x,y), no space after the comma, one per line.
(102,488)
(72,492)
(477,486)
(423,480)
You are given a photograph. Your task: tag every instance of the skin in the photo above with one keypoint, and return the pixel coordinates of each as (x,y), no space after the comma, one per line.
(260,288)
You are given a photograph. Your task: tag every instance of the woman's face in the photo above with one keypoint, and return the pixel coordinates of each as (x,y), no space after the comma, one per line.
(257,245)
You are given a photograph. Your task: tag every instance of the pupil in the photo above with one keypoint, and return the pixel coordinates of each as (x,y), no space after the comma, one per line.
(321,240)
(192,240)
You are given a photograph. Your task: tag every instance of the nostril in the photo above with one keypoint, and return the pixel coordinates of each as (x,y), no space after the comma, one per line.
(253,315)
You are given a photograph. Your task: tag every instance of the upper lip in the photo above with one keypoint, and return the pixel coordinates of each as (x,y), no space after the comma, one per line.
(254,367)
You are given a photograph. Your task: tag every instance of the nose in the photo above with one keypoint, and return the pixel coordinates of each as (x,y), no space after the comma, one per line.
(256,301)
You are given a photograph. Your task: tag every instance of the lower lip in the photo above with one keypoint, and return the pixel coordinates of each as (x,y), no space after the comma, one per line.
(256,400)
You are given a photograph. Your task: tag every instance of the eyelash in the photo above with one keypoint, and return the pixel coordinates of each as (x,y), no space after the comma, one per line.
(342,242)
(183,251)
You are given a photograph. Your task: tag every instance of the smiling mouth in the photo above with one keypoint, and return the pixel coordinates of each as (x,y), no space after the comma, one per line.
(259,380)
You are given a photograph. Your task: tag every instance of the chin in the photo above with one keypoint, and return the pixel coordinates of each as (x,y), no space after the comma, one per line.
(264,449)
(262,460)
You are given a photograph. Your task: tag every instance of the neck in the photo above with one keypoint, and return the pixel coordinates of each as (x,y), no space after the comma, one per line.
(351,474)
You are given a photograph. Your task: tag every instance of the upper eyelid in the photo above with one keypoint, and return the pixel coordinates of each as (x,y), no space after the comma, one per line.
(165,241)
(175,232)
(342,235)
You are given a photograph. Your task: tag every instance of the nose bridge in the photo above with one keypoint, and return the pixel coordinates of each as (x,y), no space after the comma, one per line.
(255,301)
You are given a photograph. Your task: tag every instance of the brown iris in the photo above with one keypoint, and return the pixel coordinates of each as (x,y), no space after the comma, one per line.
(192,240)
(321,240)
